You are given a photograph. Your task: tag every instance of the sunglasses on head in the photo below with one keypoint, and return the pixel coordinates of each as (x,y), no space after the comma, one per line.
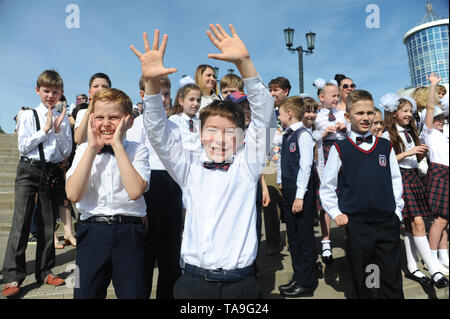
(346,86)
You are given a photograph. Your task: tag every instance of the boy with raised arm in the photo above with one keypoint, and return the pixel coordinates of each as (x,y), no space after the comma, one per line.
(219,240)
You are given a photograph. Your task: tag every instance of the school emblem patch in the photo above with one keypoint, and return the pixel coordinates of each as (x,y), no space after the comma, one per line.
(382,160)
(292,147)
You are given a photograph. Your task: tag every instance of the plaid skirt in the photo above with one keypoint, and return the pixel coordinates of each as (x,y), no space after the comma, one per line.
(436,187)
(326,146)
(413,195)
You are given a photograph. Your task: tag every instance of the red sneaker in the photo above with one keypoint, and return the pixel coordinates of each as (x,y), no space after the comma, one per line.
(11,289)
(53,280)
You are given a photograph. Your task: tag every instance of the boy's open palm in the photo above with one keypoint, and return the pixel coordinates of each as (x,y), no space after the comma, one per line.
(232,48)
(119,134)
(93,136)
(152,60)
(59,119)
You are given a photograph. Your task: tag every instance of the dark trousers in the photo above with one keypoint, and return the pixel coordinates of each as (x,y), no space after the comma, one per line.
(300,235)
(190,287)
(272,213)
(111,252)
(373,251)
(26,186)
(164,211)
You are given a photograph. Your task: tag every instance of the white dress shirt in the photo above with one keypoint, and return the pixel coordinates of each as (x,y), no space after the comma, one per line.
(106,195)
(409,162)
(220,225)
(57,146)
(191,140)
(79,118)
(207,100)
(322,123)
(306,146)
(137,133)
(437,143)
(329,183)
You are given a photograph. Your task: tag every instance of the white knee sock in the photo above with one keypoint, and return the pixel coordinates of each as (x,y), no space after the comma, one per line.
(411,255)
(443,256)
(326,245)
(440,267)
(424,250)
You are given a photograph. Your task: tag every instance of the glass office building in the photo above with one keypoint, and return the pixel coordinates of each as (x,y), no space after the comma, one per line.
(427,46)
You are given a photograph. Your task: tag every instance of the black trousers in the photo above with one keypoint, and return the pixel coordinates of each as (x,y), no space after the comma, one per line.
(373,251)
(190,287)
(300,234)
(164,211)
(111,252)
(26,186)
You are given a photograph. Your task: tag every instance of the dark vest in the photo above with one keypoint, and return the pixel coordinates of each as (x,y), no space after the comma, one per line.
(290,157)
(365,181)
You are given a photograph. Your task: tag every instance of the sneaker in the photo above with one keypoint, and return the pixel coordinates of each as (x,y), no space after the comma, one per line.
(11,289)
(53,280)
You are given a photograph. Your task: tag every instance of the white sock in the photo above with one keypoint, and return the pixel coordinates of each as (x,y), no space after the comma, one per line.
(424,250)
(443,256)
(326,245)
(411,255)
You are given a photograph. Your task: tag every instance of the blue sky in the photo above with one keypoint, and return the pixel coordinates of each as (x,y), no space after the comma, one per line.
(34,37)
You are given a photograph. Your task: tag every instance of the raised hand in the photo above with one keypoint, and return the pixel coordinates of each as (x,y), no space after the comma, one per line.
(232,49)
(49,120)
(434,78)
(93,136)
(119,134)
(152,60)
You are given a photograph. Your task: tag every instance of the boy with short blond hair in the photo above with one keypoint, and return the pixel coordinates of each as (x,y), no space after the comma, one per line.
(108,176)
(53,132)
(219,187)
(231,83)
(365,170)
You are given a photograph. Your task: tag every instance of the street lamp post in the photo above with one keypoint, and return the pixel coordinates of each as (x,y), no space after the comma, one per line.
(310,39)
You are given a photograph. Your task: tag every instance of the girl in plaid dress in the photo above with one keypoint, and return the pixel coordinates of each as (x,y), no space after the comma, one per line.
(436,180)
(402,132)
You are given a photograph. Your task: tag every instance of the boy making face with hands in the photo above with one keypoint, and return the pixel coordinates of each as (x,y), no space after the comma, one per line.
(219,186)
(107,179)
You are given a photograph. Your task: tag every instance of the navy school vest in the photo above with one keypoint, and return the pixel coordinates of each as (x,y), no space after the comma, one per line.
(290,157)
(365,181)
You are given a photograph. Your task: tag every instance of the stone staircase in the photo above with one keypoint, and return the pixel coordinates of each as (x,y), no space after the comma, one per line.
(9,157)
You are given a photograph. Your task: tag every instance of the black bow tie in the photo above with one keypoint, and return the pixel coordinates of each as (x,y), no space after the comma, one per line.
(288,132)
(360,140)
(224,166)
(331,116)
(107,149)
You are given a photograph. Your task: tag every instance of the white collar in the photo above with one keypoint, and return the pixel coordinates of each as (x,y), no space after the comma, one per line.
(186,117)
(44,110)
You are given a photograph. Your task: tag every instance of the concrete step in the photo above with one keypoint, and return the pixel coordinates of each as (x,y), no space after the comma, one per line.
(6,196)
(6,187)
(7,178)
(7,205)
(8,166)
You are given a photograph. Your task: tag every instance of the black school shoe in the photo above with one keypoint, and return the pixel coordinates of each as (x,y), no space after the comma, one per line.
(441,283)
(424,281)
(327,259)
(298,291)
(287,286)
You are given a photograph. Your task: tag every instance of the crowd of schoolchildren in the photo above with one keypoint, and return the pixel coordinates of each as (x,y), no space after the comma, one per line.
(183,185)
